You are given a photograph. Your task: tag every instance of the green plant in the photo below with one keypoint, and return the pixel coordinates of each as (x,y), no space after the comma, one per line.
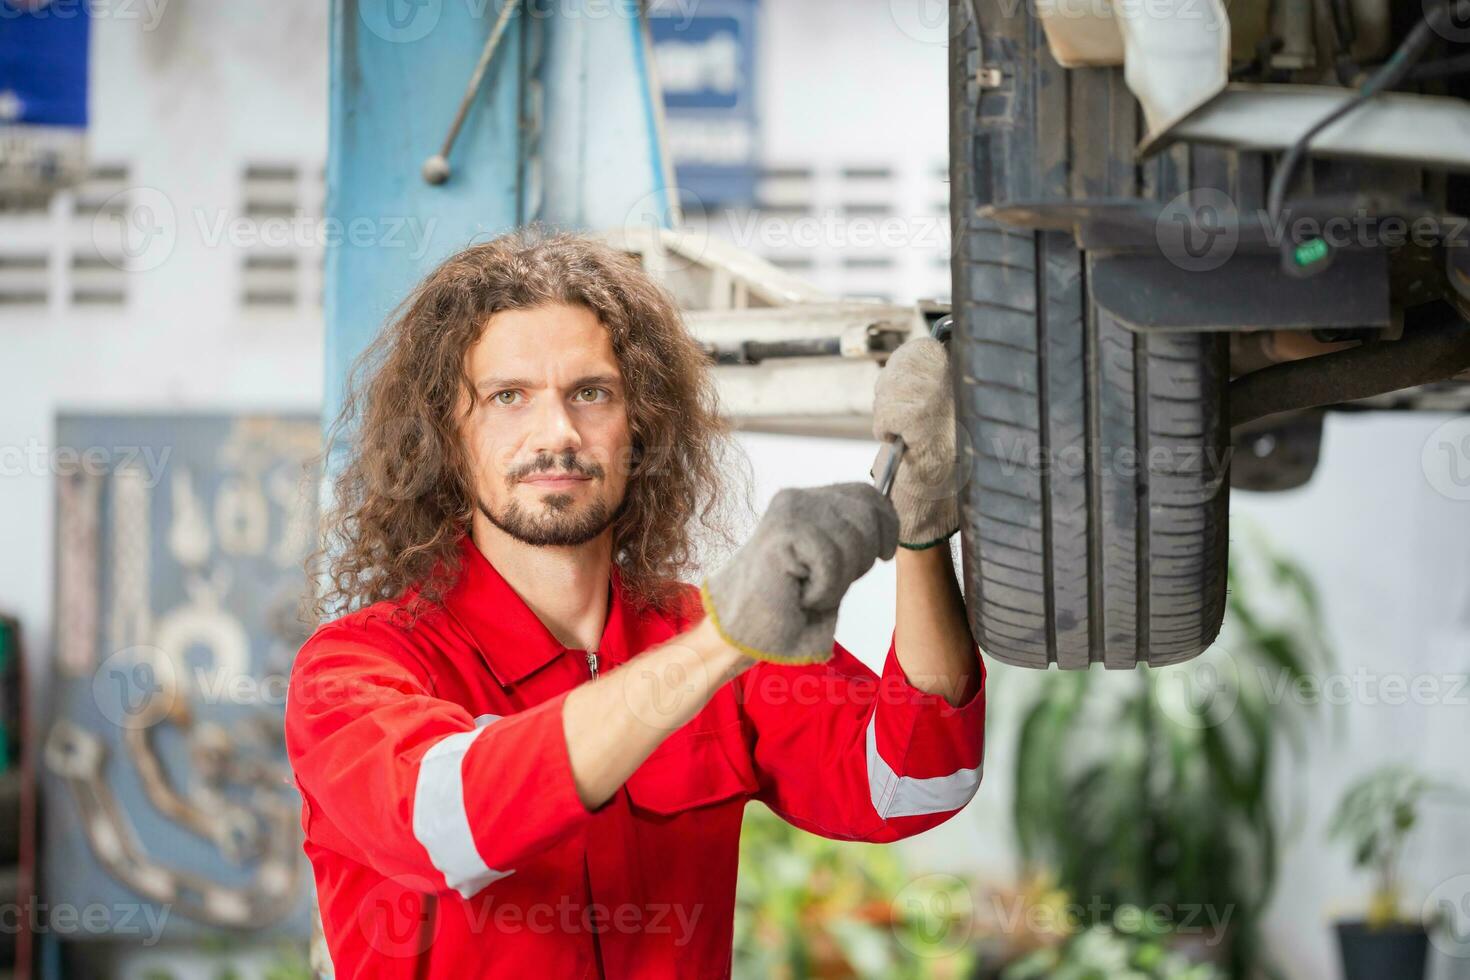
(807,906)
(288,962)
(1136,948)
(1150,788)
(1375,817)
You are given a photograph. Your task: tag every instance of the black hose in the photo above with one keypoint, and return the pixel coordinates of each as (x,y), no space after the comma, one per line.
(1391,73)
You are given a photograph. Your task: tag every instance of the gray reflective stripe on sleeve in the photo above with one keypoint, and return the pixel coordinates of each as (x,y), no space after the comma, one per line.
(439,819)
(909,796)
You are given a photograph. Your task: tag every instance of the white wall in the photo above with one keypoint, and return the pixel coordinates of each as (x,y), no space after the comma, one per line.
(184,99)
(1391,556)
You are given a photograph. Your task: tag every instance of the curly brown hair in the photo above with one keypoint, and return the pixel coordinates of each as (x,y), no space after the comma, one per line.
(404,495)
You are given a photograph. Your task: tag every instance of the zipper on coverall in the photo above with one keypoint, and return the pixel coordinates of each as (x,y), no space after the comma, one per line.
(591,656)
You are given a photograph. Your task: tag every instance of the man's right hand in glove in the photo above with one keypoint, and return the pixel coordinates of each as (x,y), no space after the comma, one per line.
(776,599)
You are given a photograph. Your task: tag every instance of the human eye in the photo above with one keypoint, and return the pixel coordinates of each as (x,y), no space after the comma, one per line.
(597,394)
(505,397)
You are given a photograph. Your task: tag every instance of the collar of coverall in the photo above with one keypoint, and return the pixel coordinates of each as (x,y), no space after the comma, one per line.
(513,642)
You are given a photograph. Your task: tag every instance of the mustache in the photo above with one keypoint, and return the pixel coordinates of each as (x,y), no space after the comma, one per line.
(547,462)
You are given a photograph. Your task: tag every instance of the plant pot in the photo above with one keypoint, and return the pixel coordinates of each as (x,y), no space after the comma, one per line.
(1394,952)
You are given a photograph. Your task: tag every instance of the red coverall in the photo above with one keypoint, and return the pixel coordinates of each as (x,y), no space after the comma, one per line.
(447,837)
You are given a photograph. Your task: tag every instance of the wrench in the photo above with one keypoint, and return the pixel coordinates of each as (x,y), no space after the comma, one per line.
(885,467)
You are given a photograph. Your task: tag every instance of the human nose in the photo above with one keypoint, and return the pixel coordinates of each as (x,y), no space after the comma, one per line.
(553,428)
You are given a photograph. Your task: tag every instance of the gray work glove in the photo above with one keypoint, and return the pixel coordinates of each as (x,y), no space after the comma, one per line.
(912,400)
(777,597)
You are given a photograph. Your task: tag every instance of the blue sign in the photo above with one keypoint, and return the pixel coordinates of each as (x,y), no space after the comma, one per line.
(706,67)
(43,62)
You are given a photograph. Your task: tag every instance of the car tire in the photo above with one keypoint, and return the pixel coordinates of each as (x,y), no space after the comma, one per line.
(1094,458)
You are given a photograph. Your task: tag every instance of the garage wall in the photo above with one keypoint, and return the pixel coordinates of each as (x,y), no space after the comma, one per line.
(205,118)
(1392,557)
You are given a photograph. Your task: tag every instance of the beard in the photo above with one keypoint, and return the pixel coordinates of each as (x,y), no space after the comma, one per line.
(558,525)
(555,527)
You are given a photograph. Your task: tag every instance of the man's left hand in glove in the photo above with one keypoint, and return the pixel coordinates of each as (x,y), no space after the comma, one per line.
(912,400)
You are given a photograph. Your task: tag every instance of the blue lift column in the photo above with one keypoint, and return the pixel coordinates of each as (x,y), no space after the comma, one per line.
(564,128)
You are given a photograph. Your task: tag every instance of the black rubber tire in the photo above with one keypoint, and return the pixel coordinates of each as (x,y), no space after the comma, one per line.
(1095,509)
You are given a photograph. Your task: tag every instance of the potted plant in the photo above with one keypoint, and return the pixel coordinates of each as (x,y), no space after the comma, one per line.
(1130,793)
(1135,947)
(1375,817)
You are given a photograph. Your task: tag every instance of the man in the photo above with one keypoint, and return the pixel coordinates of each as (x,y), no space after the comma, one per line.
(528,745)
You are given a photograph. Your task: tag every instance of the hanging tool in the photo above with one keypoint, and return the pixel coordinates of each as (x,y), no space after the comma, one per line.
(436,168)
